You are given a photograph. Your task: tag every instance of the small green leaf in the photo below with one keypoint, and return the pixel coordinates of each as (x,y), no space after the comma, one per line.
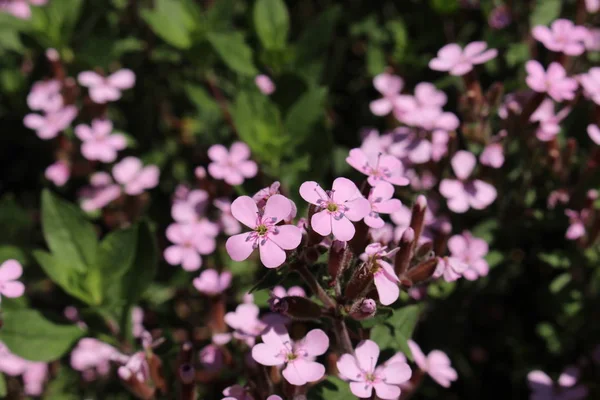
(560,282)
(172,21)
(272,23)
(383,335)
(317,35)
(333,388)
(234,52)
(303,115)
(143,269)
(517,53)
(383,313)
(272,278)
(404,322)
(70,236)
(544,12)
(2,385)
(69,279)
(31,336)
(375,59)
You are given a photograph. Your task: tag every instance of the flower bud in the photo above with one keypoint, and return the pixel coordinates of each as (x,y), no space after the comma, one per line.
(361,237)
(296,307)
(403,255)
(359,282)
(339,257)
(420,273)
(363,309)
(417,219)
(424,250)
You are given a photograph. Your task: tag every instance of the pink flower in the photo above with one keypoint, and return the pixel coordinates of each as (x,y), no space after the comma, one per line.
(58,173)
(211,283)
(227,221)
(456,61)
(383,235)
(264,84)
(271,239)
(246,323)
(135,178)
(236,392)
(92,357)
(592,6)
(549,122)
(10,271)
(554,81)
(451,268)
(101,192)
(278,349)
(211,357)
(135,365)
(543,388)
(361,370)
(263,195)
(189,242)
(471,251)
(137,322)
(105,89)
(378,168)
(416,147)
(279,291)
(34,374)
(52,123)
(232,166)
(593,132)
(99,143)
(563,36)
(436,364)
(590,82)
(338,207)
(20,8)
(592,42)
(461,193)
(45,96)
(190,206)
(380,199)
(492,155)
(389,86)
(577,221)
(384,276)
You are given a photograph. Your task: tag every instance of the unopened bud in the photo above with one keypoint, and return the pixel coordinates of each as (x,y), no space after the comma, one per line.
(296,307)
(417,219)
(424,250)
(361,237)
(339,256)
(200,173)
(421,272)
(404,254)
(360,281)
(363,309)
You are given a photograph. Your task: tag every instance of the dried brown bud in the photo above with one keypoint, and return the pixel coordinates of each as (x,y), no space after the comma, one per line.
(360,281)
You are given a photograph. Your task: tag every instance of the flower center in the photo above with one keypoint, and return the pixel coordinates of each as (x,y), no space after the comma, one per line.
(262,230)
(291,356)
(371,377)
(332,207)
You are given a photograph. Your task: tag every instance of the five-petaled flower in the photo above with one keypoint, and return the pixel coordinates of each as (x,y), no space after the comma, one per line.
(436,364)
(105,89)
(99,143)
(458,61)
(278,349)
(232,166)
(361,370)
(270,238)
(337,207)
(553,81)
(379,168)
(471,251)
(380,199)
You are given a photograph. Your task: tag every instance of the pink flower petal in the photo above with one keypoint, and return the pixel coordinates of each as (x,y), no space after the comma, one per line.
(418,355)
(321,223)
(342,229)
(271,255)
(343,190)
(89,79)
(397,372)
(386,392)
(361,389)
(278,207)
(288,237)
(463,164)
(348,367)
(244,209)
(367,354)
(594,133)
(122,79)
(10,270)
(312,192)
(238,247)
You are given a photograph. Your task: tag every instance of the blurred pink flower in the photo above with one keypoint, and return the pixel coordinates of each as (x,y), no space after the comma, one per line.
(549,122)
(34,374)
(543,388)
(211,357)
(101,192)
(414,145)
(338,207)
(590,82)
(563,36)
(137,322)
(105,89)
(492,155)
(99,142)
(553,81)
(92,357)
(45,96)
(232,166)
(379,168)
(592,6)
(189,242)
(135,365)
(10,271)
(271,239)
(456,61)
(592,42)
(58,173)
(436,364)
(380,198)
(135,178)
(264,194)
(462,193)
(385,279)
(390,87)
(264,84)
(383,235)
(450,268)
(471,251)
(52,123)
(189,206)
(247,324)
(577,221)
(20,8)
(211,283)
(236,392)
(278,349)
(227,221)
(280,291)
(593,132)
(360,368)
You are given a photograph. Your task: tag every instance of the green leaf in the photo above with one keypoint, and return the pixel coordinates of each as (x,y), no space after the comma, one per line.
(15,221)
(272,23)
(2,385)
(333,388)
(143,270)
(375,59)
(172,21)
(444,6)
(303,115)
(383,313)
(517,53)
(383,335)
(560,282)
(404,322)
(544,12)
(69,235)
(234,52)
(317,35)
(272,278)
(69,279)
(31,336)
